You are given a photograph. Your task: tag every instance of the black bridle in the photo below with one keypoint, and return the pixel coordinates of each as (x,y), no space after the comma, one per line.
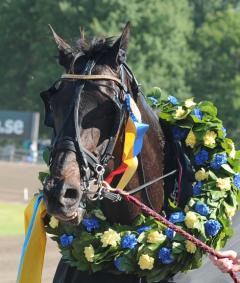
(90,166)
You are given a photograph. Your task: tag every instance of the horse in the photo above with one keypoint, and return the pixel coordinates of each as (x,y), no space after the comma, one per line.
(84,108)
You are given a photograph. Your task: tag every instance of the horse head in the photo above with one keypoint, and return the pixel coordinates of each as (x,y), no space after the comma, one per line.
(83,107)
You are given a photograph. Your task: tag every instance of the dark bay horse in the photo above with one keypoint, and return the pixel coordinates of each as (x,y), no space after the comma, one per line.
(86,115)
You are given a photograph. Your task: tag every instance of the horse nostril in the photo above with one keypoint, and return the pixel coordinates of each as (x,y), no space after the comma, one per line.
(71,193)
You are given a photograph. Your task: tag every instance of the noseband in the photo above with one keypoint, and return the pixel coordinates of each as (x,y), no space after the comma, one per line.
(91,167)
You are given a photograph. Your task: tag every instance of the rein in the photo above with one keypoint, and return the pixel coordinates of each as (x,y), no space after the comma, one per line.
(129,198)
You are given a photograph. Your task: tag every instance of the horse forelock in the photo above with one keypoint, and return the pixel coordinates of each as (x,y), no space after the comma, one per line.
(95,46)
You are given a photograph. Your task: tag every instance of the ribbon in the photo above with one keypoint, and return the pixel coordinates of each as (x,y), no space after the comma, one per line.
(134,134)
(33,250)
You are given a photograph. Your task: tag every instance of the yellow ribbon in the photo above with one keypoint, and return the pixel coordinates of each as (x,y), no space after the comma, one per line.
(134,134)
(128,158)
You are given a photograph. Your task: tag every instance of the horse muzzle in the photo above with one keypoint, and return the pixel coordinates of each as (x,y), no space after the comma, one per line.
(63,201)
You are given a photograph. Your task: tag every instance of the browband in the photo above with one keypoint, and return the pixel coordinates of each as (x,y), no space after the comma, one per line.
(92,77)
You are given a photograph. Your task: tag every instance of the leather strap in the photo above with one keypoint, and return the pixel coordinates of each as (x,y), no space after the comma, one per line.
(92,77)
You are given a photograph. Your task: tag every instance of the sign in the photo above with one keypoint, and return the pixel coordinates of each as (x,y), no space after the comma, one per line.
(20,125)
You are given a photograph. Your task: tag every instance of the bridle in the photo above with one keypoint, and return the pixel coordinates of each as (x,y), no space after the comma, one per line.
(91,167)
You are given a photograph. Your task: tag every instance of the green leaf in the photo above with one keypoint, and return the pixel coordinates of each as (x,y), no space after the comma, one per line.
(177,248)
(179,238)
(42,176)
(216,195)
(208,107)
(98,267)
(139,220)
(227,168)
(197,259)
(196,120)
(154,247)
(155,92)
(172,204)
(99,214)
(166,117)
(212,175)
(199,225)
(46,155)
(227,145)
(158,274)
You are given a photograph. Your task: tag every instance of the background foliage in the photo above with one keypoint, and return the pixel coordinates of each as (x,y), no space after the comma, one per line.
(187,47)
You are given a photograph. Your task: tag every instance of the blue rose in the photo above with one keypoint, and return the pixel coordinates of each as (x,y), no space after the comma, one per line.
(118,264)
(165,255)
(212,227)
(176,217)
(179,133)
(66,240)
(236,180)
(172,99)
(198,113)
(143,229)
(218,160)
(202,208)
(197,188)
(129,241)
(91,224)
(169,233)
(202,157)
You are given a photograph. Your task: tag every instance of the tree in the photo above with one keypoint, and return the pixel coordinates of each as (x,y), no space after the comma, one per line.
(217,76)
(158,52)
(203,8)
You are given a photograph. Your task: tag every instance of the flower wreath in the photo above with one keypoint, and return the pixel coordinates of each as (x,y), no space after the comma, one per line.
(147,248)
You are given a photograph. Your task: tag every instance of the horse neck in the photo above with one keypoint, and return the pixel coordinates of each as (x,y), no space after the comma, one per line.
(151,161)
(150,166)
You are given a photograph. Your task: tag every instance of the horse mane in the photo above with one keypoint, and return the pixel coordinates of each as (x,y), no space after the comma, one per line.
(95,46)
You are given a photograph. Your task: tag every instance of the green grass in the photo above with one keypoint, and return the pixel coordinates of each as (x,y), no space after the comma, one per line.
(11,219)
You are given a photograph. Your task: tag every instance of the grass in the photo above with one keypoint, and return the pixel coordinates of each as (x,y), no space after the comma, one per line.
(11,219)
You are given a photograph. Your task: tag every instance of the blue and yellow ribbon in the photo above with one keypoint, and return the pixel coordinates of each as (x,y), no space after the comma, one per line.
(134,134)
(33,250)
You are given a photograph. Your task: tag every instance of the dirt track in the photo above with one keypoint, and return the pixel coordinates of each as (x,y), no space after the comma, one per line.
(10,248)
(14,177)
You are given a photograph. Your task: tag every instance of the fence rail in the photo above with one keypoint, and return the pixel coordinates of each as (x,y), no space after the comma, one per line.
(10,153)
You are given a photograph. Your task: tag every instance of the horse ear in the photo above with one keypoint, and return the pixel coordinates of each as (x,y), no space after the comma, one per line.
(121,44)
(61,44)
(65,50)
(82,34)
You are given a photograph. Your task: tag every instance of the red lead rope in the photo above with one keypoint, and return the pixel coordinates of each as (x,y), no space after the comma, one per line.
(177,229)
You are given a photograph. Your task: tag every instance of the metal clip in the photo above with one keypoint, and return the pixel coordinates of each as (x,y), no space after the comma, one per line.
(111,196)
(99,169)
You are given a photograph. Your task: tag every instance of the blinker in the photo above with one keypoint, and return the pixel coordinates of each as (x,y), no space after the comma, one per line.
(48,119)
